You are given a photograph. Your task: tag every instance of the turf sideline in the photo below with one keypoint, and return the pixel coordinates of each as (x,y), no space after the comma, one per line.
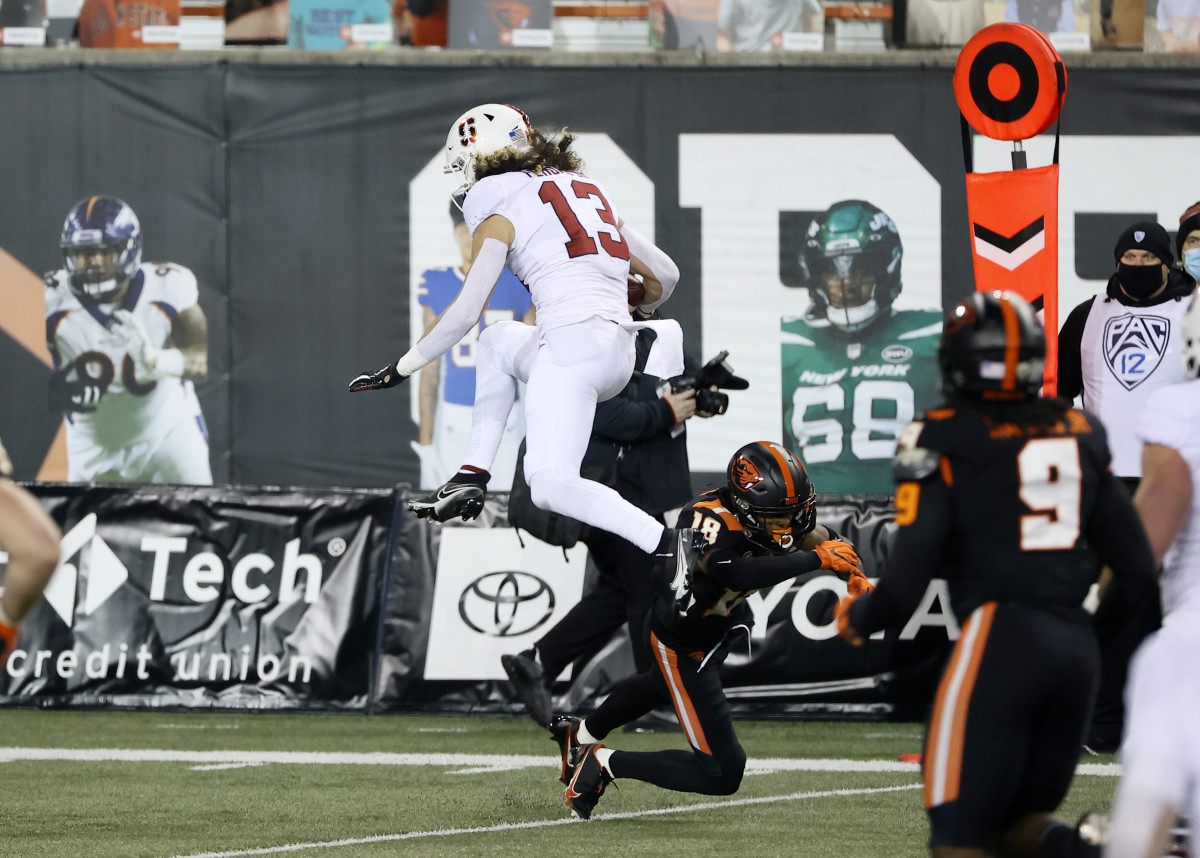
(455,763)
(547,823)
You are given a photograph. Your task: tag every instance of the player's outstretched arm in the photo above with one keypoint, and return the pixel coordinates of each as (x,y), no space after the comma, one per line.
(489,253)
(920,538)
(757,572)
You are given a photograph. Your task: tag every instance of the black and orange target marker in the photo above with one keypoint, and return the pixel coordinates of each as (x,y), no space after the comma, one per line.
(1010,82)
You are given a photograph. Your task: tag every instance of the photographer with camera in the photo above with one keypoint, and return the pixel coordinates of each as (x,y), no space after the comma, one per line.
(639,448)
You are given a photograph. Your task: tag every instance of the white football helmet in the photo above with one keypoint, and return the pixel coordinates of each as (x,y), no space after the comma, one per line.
(483,130)
(1191,340)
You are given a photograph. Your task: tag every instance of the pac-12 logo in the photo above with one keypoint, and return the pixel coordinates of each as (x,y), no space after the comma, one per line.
(1134,347)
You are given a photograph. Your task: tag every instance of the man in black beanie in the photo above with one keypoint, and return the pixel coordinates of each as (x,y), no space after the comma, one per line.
(1113,350)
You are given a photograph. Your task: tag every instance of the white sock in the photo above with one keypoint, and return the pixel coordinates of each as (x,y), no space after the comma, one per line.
(585,738)
(602,755)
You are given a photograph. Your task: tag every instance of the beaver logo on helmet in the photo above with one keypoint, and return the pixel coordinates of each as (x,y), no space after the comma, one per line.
(744,473)
(767,481)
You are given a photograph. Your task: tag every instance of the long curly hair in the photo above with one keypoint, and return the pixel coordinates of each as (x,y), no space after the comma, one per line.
(541,154)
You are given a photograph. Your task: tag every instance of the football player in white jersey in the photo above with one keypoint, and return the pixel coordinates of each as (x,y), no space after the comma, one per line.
(127,339)
(1160,753)
(528,205)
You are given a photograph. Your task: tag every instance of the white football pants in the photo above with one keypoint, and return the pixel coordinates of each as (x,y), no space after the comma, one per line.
(1160,753)
(567,370)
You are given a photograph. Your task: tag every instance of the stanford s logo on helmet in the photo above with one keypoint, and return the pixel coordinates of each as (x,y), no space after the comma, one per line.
(992,347)
(466,131)
(767,480)
(484,130)
(102,248)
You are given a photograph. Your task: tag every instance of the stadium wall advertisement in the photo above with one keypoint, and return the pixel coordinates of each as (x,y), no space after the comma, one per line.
(207,597)
(320,599)
(309,201)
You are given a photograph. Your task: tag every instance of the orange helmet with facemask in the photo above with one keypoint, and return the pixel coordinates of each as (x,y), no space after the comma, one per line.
(768,481)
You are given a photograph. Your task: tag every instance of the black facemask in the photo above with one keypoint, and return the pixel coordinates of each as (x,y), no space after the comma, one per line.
(1139,281)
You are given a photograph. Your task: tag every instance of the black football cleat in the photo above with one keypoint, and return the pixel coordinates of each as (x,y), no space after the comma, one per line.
(564,729)
(451,500)
(587,782)
(529,681)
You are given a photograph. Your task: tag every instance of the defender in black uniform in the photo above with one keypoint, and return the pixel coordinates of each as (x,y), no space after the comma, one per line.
(1010,498)
(756,532)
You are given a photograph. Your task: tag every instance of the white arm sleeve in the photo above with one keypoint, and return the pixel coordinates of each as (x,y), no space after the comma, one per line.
(461,315)
(664,270)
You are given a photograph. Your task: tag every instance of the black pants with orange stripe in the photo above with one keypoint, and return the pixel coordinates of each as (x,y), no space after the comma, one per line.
(716,762)
(1008,720)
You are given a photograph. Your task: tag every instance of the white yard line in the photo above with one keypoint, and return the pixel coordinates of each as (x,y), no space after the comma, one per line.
(222,766)
(547,823)
(453,763)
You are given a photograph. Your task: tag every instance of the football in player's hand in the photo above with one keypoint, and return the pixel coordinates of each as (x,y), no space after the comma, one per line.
(637,291)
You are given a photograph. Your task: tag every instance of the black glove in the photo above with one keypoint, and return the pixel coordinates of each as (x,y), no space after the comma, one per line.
(74,393)
(386,377)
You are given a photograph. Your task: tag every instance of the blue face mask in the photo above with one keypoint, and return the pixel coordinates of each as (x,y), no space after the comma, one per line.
(1191,262)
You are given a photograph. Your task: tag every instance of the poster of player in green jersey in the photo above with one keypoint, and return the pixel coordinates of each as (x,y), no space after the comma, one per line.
(855,370)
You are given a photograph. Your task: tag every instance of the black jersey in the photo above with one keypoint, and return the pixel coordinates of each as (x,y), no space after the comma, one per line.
(1006,513)
(698,608)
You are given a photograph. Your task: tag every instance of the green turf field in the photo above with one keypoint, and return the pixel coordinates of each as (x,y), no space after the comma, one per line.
(184,784)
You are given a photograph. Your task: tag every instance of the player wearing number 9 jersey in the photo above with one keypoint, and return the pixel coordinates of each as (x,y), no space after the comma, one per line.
(528,205)
(1010,498)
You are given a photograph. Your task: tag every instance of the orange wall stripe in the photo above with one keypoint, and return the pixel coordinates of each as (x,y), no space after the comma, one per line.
(23,318)
(23,307)
(54,466)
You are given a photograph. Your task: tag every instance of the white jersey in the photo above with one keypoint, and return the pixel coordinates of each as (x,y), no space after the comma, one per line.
(134,415)
(1127,353)
(1171,418)
(567,249)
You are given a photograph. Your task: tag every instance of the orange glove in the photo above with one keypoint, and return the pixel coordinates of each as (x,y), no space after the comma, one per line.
(8,640)
(858,584)
(838,556)
(841,613)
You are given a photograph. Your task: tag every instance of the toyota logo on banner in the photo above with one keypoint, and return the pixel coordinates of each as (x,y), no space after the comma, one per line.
(504,604)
